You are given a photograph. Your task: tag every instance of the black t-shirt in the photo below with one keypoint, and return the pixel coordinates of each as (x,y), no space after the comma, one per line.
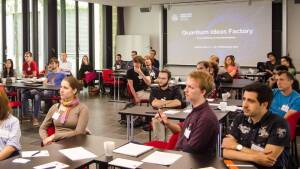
(138,82)
(171,93)
(271,129)
(156,63)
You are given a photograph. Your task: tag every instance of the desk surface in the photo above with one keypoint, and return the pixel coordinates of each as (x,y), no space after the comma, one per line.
(237,83)
(187,161)
(91,143)
(148,111)
(42,87)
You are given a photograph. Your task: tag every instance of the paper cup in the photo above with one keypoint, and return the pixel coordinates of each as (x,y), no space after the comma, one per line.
(109,146)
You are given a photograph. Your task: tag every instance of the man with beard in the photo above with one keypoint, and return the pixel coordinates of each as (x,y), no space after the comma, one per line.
(163,96)
(258,135)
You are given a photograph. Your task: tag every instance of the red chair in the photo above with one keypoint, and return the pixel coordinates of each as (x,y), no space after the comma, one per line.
(131,99)
(170,145)
(12,94)
(110,80)
(16,105)
(292,121)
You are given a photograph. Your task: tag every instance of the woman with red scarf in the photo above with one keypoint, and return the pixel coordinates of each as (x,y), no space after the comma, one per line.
(69,117)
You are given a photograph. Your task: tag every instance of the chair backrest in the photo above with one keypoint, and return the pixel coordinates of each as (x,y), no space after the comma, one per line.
(107,75)
(292,121)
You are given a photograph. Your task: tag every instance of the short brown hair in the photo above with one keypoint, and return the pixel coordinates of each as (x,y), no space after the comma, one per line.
(28,53)
(5,109)
(54,60)
(134,52)
(204,63)
(205,80)
(138,59)
(154,51)
(74,83)
(166,71)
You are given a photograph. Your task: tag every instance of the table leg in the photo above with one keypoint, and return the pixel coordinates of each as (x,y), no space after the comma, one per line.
(128,126)
(219,142)
(131,128)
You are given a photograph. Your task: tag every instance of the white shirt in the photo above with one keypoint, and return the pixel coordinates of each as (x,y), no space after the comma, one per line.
(65,66)
(10,133)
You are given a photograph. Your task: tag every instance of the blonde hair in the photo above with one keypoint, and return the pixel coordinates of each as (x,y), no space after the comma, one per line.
(205,80)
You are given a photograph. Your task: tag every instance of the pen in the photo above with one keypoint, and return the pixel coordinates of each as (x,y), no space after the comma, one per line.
(161,117)
(51,167)
(35,153)
(239,165)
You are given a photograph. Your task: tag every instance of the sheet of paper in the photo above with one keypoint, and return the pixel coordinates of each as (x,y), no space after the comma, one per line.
(125,163)
(52,165)
(214,104)
(20,160)
(162,158)
(77,153)
(207,168)
(171,111)
(132,149)
(232,108)
(210,100)
(187,110)
(42,153)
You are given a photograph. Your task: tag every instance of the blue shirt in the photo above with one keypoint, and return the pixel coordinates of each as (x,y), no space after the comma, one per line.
(10,133)
(282,104)
(55,78)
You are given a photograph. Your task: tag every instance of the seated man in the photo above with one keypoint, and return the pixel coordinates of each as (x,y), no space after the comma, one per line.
(54,77)
(30,70)
(164,96)
(257,135)
(286,101)
(65,65)
(200,129)
(153,71)
(138,80)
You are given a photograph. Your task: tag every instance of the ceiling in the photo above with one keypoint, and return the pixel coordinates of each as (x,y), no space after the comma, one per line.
(145,3)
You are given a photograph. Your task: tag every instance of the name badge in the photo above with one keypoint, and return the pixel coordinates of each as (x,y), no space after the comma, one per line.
(55,116)
(256,147)
(285,108)
(28,69)
(4,133)
(187,133)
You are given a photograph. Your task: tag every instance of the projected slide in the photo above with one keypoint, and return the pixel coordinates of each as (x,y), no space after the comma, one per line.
(196,31)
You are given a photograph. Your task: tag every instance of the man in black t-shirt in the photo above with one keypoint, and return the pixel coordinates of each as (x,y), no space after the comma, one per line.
(165,95)
(138,80)
(258,135)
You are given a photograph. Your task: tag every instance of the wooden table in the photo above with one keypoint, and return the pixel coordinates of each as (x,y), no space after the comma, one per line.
(93,144)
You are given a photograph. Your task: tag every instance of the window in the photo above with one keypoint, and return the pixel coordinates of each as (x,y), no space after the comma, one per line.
(98,36)
(71,33)
(83,24)
(42,57)
(1,42)
(114,31)
(14,35)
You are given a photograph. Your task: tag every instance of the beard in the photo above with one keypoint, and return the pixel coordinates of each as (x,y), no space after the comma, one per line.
(163,85)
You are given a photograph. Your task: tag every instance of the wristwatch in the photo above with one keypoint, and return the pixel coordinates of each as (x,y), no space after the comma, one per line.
(239,147)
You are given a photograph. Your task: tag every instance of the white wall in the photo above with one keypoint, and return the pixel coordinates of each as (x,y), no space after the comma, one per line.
(146,23)
(293,32)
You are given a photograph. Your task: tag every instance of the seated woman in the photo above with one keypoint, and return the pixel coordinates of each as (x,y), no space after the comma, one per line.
(230,66)
(271,64)
(84,70)
(8,69)
(69,117)
(287,61)
(10,131)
